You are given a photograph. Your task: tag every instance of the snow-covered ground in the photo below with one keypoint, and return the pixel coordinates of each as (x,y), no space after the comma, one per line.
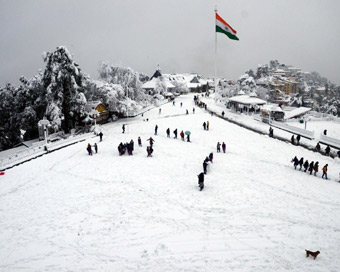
(67,211)
(333,128)
(313,124)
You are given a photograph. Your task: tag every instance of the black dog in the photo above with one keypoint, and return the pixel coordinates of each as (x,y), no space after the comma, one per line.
(314,254)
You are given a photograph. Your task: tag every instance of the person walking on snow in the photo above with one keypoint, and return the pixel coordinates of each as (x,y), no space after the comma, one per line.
(207,125)
(100,136)
(295,161)
(218,147)
(123,128)
(182,135)
(316,168)
(292,140)
(305,165)
(311,167)
(301,163)
(223,147)
(168,132)
(204,126)
(175,132)
(95,147)
(156,128)
(139,141)
(324,170)
(201,181)
(328,149)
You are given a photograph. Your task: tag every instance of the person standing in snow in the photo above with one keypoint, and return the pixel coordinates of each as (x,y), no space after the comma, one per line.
(95,147)
(298,139)
(223,114)
(223,147)
(168,132)
(301,163)
(151,141)
(317,147)
(292,140)
(193,110)
(205,165)
(218,147)
(139,141)
(204,126)
(100,136)
(132,143)
(201,181)
(328,150)
(271,132)
(156,128)
(188,138)
(175,132)
(123,128)
(149,150)
(211,156)
(324,170)
(316,168)
(182,135)
(305,165)
(207,125)
(89,149)
(295,161)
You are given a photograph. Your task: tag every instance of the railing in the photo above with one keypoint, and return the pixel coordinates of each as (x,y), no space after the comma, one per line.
(39,149)
(330,141)
(295,130)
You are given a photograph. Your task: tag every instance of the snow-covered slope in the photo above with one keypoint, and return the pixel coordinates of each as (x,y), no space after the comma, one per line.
(68,211)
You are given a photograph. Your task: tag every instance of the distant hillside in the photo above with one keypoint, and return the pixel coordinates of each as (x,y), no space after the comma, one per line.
(288,85)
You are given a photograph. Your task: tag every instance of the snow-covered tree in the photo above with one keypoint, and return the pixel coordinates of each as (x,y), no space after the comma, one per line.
(63,82)
(9,119)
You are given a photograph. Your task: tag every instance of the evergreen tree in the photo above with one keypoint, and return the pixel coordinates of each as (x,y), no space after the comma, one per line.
(63,82)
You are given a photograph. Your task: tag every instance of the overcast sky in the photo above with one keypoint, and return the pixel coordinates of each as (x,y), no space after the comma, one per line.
(179,35)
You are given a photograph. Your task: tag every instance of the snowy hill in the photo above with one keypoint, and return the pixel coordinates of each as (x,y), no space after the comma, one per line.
(67,211)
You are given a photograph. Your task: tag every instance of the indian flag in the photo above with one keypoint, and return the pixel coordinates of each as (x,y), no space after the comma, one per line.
(223,27)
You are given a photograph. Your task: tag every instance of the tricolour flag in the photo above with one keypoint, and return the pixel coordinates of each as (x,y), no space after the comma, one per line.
(223,27)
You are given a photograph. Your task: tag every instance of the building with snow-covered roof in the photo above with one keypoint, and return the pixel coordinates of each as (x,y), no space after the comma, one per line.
(158,81)
(273,112)
(245,103)
(193,82)
(103,112)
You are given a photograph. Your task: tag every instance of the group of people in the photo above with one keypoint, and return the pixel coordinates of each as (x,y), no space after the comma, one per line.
(89,148)
(219,147)
(175,133)
(292,140)
(129,147)
(310,167)
(206,125)
(205,166)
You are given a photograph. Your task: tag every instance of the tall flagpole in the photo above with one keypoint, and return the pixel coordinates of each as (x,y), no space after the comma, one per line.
(215,50)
